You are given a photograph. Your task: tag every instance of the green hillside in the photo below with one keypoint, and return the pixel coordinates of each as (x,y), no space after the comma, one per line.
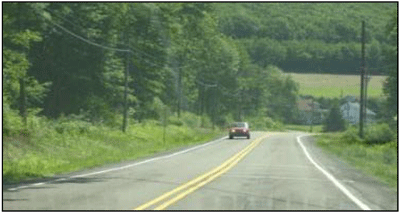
(330,22)
(309,37)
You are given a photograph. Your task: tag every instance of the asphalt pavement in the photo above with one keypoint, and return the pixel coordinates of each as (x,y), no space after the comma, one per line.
(270,171)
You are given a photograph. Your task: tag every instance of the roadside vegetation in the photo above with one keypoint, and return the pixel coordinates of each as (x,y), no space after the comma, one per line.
(51,147)
(376,154)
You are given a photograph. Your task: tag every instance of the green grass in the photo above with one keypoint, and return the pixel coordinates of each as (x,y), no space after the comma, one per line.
(304,128)
(55,149)
(335,86)
(377,160)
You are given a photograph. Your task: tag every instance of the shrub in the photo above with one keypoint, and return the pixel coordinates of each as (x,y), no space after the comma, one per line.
(334,122)
(194,121)
(73,127)
(152,122)
(174,120)
(258,123)
(190,119)
(264,123)
(12,123)
(351,136)
(378,134)
(206,121)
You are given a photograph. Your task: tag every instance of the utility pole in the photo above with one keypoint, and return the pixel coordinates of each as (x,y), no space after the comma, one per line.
(179,91)
(202,107)
(165,123)
(240,106)
(312,115)
(202,96)
(125,119)
(366,78)
(362,79)
(22,95)
(213,109)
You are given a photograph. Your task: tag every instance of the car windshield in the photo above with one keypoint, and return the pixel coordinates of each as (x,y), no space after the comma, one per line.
(240,124)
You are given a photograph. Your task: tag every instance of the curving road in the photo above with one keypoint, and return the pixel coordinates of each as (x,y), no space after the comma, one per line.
(271,171)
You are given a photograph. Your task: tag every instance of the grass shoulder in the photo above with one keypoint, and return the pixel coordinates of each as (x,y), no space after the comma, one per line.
(55,148)
(378,160)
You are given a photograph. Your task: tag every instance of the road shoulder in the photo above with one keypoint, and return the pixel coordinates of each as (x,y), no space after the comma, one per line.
(369,189)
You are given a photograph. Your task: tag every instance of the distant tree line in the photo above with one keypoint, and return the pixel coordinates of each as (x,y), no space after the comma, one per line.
(310,37)
(72,58)
(206,58)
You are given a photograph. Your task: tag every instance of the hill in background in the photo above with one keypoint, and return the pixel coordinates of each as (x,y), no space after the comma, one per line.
(309,37)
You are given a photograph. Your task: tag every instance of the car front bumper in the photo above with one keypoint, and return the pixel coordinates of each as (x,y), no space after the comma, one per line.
(239,134)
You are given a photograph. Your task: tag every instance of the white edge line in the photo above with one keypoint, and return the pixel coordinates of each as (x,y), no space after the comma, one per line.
(332,178)
(121,168)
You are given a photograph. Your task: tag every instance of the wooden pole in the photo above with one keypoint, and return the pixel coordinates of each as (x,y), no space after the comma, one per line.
(362,80)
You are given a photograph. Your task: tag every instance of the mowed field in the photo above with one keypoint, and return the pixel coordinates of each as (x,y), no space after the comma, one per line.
(331,86)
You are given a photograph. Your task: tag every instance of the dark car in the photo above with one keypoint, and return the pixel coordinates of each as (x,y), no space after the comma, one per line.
(239,129)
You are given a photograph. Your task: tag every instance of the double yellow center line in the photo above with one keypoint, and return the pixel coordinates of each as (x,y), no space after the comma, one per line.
(200,181)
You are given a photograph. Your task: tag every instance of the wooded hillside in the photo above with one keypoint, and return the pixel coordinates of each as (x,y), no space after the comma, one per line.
(214,59)
(309,37)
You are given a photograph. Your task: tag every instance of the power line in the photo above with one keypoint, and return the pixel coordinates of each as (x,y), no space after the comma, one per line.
(205,84)
(78,26)
(156,63)
(155,60)
(59,16)
(86,40)
(159,64)
(140,53)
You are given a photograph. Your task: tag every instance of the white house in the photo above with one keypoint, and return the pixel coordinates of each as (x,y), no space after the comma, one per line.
(351,113)
(310,112)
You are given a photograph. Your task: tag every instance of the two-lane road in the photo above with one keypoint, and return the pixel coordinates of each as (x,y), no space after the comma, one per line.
(271,171)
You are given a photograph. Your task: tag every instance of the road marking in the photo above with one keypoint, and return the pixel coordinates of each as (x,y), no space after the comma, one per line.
(38,184)
(333,179)
(119,168)
(281,178)
(200,181)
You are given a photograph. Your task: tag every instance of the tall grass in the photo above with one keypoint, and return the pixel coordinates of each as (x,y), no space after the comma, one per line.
(56,147)
(377,159)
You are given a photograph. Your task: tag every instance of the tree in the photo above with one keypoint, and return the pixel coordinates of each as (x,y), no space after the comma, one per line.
(334,122)
(282,96)
(266,52)
(391,57)
(21,30)
(213,58)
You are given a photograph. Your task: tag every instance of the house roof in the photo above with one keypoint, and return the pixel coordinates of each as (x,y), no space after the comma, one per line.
(351,98)
(306,105)
(357,107)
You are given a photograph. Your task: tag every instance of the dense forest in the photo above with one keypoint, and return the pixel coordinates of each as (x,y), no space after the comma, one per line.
(309,37)
(214,59)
